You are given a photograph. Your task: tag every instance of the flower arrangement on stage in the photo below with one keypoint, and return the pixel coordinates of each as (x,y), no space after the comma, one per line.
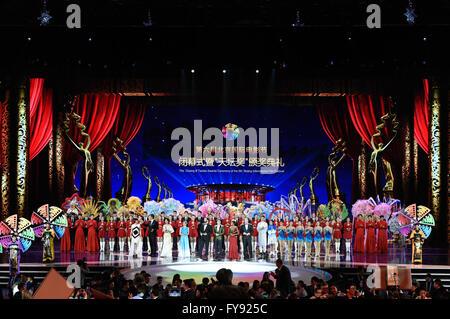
(134,205)
(72,204)
(208,207)
(363,206)
(383,209)
(171,205)
(123,211)
(152,207)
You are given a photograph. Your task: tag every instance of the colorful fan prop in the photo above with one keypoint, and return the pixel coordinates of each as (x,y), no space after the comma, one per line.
(19,227)
(52,215)
(413,215)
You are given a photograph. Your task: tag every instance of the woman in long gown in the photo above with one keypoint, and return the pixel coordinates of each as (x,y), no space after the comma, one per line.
(65,239)
(272,238)
(167,240)
(183,248)
(48,247)
(382,245)
(233,233)
(370,238)
(80,240)
(92,240)
(359,235)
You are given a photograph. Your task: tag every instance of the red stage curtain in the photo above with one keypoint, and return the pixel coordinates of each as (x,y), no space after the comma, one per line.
(365,112)
(98,112)
(421,116)
(337,123)
(36,87)
(126,126)
(41,124)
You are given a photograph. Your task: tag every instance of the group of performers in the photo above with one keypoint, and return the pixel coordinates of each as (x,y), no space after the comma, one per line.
(215,237)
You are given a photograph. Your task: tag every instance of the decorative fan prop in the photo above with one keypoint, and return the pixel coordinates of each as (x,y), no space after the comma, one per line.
(52,215)
(19,227)
(413,215)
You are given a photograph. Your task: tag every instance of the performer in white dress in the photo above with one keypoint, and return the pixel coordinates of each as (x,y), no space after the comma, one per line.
(167,240)
(136,239)
(262,236)
(272,238)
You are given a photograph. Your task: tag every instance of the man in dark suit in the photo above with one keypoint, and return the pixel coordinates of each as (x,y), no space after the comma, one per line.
(246,232)
(219,232)
(284,283)
(152,228)
(204,233)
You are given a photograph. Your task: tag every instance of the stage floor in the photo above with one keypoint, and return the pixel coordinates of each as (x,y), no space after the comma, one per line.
(432,257)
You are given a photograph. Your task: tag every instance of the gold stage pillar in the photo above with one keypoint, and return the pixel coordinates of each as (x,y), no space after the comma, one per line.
(58,157)
(362,170)
(99,174)
(438,162)
(435,151)
(15,149)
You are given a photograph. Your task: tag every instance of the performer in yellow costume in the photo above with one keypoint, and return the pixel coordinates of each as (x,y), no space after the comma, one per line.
(48,248)
(417,238)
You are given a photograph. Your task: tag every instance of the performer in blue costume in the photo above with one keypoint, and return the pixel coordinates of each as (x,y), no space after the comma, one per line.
(282,238)
(317,239)
(290,237)
(299,240)
(183,247)
(308,239)
(327,239)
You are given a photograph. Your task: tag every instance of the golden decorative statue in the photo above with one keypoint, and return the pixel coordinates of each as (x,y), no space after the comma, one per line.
(303,183)
(147,176)
(158,198)
(333,190)
(127,182)
(165,190)
(88,165)
(314,198)
(378,149)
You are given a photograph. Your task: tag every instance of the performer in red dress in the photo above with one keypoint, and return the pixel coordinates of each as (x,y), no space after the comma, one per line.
(65,239)
(348,234)
(101,233)
(80,240)
(382,245)
(92,240)
(254,223)
(111,232)
(193,234)
(129,223)
(233,253)
(159,233)
(337,235)
(370,236)
(121,232)
(359,235)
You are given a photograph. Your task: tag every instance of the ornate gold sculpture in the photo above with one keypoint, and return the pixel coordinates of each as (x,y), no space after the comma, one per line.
(378,149)
(303,183)
(314,198)
(127,182)
(147,176)
(165,190)
(156,180)
(436,159)
(333,190)
(88,165)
